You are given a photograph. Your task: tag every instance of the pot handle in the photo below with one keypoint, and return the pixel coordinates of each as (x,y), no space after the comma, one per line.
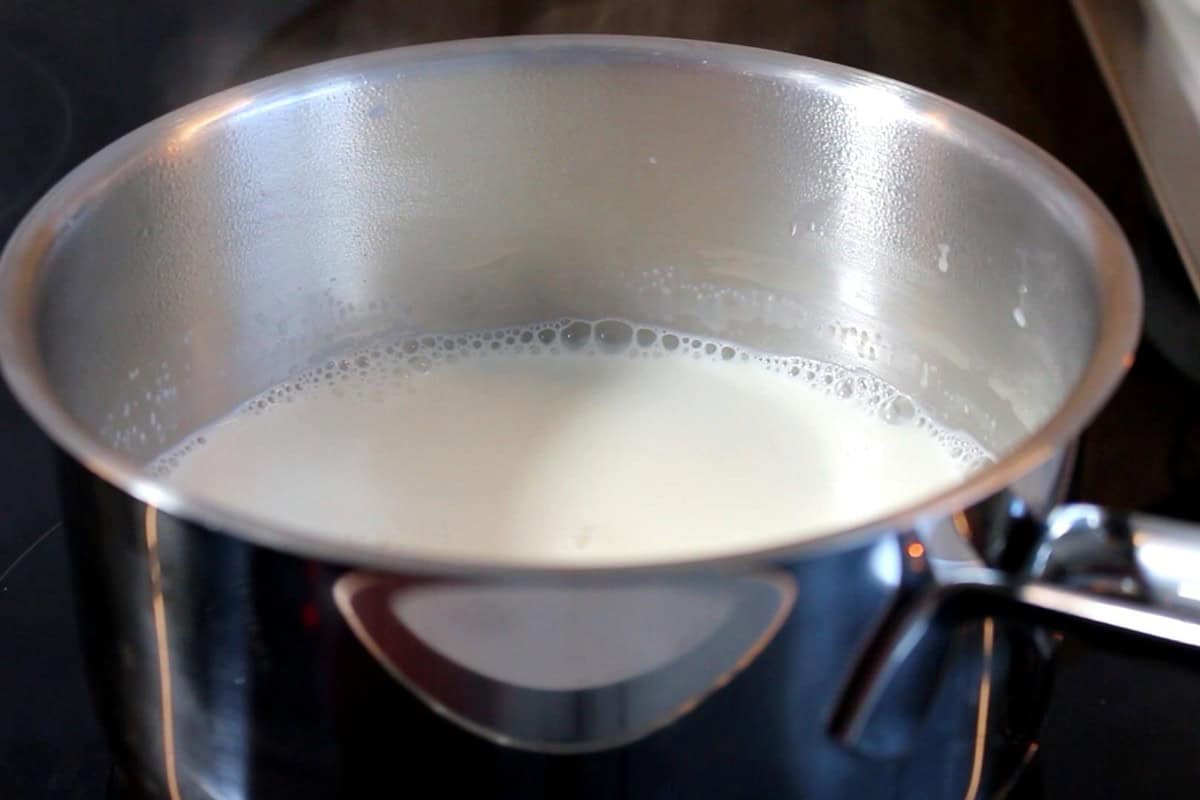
(1117,579)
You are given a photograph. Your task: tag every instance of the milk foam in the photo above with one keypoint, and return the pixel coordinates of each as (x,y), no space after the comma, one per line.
(572,441)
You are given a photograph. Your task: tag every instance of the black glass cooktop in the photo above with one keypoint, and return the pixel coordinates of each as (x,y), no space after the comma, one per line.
(75,76)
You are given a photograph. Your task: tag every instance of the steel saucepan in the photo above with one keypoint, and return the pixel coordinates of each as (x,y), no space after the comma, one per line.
(214,252)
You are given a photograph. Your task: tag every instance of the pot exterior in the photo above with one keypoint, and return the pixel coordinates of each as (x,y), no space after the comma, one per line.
(792,206)
(225,669)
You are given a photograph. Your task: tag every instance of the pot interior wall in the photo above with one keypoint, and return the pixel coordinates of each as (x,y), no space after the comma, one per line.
(763,199)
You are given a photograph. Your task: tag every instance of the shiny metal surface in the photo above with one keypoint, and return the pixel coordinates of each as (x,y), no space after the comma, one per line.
(1137,557)
(1146,51)
(223,669)
(783,202)
(788,204)
(1126,578)
(565,669)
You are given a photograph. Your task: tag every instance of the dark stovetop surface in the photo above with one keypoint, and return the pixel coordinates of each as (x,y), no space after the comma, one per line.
(73,79)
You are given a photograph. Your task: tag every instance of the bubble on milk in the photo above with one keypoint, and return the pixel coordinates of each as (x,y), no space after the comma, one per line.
(368,374)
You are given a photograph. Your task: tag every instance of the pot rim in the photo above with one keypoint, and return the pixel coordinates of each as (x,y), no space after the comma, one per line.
(1118,296)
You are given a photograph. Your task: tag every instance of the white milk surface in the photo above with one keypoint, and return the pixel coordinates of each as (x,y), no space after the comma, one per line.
(571,442)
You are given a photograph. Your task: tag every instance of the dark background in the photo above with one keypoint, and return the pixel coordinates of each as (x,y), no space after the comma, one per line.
(74,76)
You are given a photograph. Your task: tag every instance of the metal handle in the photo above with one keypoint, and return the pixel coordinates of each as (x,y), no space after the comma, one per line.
(1110,577)
(1150,560)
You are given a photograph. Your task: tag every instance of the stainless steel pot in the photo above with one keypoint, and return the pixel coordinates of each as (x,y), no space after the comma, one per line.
(789,204)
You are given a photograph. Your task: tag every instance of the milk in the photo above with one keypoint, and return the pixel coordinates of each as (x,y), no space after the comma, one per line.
(571,442)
